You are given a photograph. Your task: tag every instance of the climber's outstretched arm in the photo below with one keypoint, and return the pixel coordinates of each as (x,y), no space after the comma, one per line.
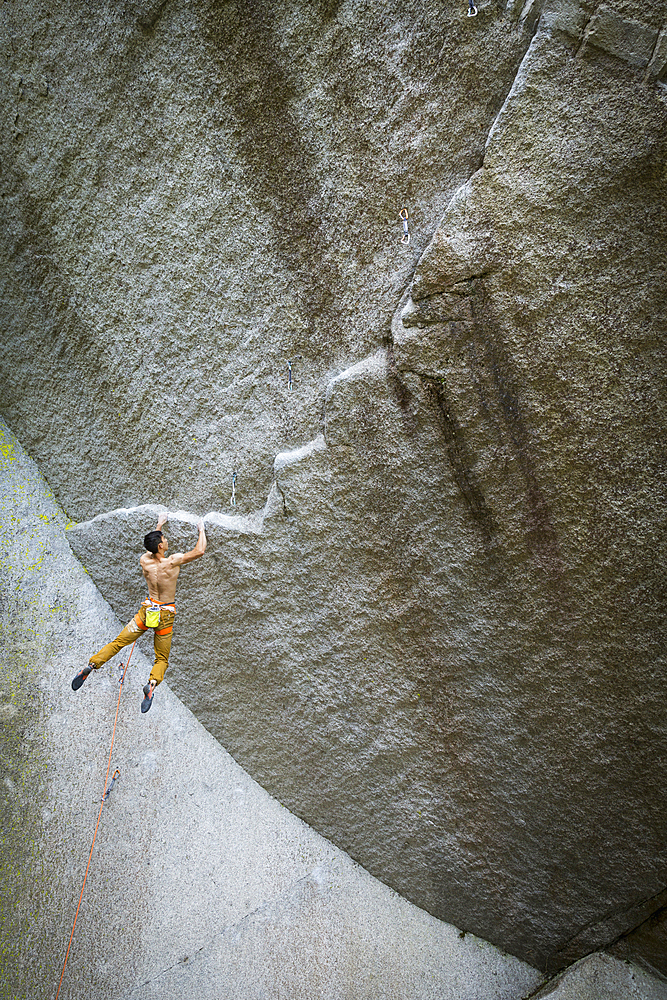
(181,558)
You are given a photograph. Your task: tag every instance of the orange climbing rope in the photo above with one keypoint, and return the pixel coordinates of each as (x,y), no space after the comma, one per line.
(105,795)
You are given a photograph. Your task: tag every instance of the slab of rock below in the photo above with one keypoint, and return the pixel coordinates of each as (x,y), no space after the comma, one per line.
(601,977)
(201,884)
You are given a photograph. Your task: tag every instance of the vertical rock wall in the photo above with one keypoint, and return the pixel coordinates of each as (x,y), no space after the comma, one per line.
(196,193)
(434,631)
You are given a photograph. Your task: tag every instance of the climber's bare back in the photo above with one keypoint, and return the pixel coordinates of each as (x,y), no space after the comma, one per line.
(161,575)
(161,571)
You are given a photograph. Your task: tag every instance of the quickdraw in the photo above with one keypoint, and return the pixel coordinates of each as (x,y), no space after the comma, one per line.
(472,10)
(233,496)
(289,375)
(405,238)
(107,793)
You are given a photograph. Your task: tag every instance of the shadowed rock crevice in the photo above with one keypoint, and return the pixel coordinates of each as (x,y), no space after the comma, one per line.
(465,337)
(612,929)
(491,366)
(404,398)
(458,457)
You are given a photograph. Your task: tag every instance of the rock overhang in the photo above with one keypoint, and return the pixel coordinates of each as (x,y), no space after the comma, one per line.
(449,572)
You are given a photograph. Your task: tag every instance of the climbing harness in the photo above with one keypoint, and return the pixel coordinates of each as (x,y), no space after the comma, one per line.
(107,791)
(405,238)
(289,375)
(472,10)
(233,497)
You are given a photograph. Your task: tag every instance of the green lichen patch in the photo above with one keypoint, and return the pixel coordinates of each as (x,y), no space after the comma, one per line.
(26,879)
(23,769)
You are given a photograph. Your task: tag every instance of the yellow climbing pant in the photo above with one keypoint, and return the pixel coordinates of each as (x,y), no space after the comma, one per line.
(134,628)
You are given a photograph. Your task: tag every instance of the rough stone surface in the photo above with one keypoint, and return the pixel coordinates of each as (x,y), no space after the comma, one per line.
(622,37)
(647,944)
(201,885)
(601,977)
(540,346)
(658,63)
(435,632)
(193,194)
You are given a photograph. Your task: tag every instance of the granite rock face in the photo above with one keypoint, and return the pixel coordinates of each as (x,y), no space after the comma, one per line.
(601,977)
(195,194)
(647,943)
(434,632)
(201,886)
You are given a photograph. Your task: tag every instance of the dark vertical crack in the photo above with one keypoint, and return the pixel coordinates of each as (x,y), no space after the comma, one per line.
(458,456)
(278,157)
(496,368)
(401,393)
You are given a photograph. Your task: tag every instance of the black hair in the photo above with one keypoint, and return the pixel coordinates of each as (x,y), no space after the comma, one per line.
(152,540)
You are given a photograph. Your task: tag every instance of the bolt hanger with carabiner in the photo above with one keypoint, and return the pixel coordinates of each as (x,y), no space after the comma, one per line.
(405,238)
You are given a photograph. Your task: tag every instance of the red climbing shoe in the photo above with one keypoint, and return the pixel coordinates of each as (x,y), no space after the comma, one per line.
(149,691)
(80,677)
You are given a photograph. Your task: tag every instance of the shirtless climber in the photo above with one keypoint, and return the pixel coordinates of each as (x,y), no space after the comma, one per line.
(158,612)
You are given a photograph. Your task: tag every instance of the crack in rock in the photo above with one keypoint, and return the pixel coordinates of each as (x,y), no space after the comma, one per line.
(316,876)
